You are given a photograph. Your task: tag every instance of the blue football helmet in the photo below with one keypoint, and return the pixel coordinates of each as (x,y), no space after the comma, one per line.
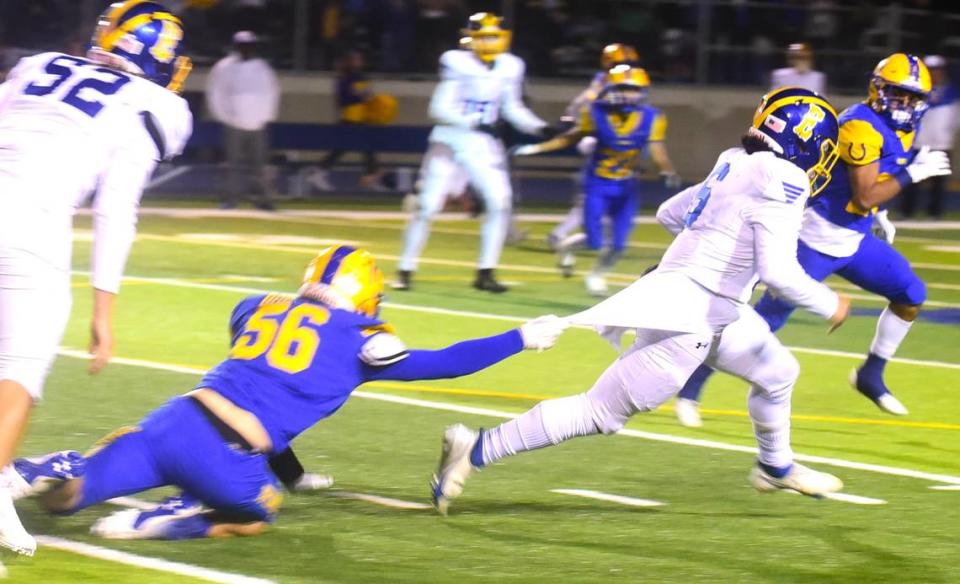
(800,126)
(143,38)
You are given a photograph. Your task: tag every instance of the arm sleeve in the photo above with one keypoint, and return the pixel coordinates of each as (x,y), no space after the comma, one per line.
(456,360)
(513,108)
(287,467)
(115,207)
(670,214)
(776,226)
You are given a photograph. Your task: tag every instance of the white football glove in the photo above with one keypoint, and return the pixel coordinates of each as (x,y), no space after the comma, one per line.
(542,332)
(524,150)
(928,163)
(671,180)
(883,227)
(587,145)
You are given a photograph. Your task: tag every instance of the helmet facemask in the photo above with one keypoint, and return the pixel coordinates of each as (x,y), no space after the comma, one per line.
(623,96)
(821,172)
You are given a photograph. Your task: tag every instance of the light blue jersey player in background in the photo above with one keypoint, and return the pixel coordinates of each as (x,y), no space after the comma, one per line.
(294,361)
(623,125)
(877,160)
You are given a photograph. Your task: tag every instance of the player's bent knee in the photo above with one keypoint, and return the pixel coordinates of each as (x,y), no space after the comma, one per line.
(567,417)
(237,529)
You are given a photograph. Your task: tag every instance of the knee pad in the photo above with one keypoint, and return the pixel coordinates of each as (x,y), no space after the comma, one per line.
(914,294)
(778,377)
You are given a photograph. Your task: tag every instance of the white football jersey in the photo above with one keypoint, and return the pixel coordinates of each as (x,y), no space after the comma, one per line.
(741,224)
(71,127)
(471,93)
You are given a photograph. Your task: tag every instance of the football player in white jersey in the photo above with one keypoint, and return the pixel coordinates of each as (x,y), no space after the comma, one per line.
(70,127)
(476,87)
(738,226)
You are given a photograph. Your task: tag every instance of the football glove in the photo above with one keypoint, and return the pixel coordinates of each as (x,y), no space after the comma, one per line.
(671,180)
(928,163)
(542,332)
(523,150)
(883,227)
(587,145)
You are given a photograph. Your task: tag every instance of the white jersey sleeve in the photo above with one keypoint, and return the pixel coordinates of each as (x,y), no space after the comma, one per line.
(671,212)
(776,226)
(158,132)
(446,104)
(511,105)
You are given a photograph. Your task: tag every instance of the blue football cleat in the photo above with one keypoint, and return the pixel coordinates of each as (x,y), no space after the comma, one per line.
(179,517)
(33,476)
(869,382)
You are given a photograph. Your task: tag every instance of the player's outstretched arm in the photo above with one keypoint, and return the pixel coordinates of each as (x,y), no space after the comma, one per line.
(466,357)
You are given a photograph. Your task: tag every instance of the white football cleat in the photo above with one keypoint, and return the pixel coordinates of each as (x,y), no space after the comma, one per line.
(157,523)
(455,466)
(596,285)
(802,479)
(566,262)
(12,534)
(688,413)
(309,481)
(890,404)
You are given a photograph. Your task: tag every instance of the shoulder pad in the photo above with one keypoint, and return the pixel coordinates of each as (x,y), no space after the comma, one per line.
(782,181)
(512,64)
(383,349)
(169,121)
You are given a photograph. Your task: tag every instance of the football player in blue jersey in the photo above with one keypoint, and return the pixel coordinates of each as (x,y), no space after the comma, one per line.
(294,361)
(877,160)
(623,124)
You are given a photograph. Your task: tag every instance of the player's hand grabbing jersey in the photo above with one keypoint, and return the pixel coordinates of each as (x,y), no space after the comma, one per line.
(741,225)
(70,127)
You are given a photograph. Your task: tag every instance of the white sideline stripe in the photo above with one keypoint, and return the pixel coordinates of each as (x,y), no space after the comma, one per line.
(488,316)
(877,468)
(600,496)
(846,498)
(111,555)
(945,487)
(168,176)
(378,500)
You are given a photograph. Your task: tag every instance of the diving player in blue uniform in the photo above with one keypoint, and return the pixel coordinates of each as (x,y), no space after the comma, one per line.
(623,124)
(294,361)
(877,160)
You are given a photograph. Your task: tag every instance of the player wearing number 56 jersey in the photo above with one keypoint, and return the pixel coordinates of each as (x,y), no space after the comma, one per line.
(476,88)
(736,227)
(294,362)
(70,127)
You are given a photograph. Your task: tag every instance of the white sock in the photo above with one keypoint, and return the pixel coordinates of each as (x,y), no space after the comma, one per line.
(549,422)
(493,232)
(771,426)
(891,330)
(570,223)
(416,237)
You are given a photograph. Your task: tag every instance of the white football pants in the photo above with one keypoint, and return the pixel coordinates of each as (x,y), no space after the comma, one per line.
(483,162)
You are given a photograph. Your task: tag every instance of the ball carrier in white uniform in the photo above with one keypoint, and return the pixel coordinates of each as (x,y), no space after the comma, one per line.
(738,226)
(476,87)
(70,127)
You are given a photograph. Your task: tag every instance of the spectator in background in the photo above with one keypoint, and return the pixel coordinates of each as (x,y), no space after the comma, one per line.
(937,131)
(800,72)
(353,93)
(243,94)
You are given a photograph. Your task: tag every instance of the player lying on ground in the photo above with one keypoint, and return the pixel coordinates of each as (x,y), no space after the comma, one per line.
(294,362)
(876,161)
(740,226)
(72,127)
(622,124)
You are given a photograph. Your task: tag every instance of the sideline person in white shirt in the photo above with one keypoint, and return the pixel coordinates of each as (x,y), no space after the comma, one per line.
(243,94)
(800,72)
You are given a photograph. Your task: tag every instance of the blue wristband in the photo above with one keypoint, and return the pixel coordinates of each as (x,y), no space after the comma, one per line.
(903,177)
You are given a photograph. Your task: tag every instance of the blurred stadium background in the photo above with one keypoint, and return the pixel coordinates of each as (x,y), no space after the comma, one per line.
(709,61)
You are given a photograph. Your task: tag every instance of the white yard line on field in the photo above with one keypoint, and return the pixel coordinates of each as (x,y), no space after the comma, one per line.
(178,568)
(437,405)
(847,498)
(484,315)
(378,500)
(945,487)
(601,496)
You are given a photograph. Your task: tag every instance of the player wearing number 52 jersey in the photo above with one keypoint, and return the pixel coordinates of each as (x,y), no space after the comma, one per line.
(70,127)
(736,227)
(877,160)
(623,125)
(294,362)
(476,88)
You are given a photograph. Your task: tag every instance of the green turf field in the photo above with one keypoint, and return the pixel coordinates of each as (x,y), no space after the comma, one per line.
(186,273)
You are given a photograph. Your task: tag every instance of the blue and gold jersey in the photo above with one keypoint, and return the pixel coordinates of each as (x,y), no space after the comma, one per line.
(293,362)
(865,138)
(621,135)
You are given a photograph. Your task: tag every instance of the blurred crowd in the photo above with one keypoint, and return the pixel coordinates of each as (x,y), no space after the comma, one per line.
(715,41)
